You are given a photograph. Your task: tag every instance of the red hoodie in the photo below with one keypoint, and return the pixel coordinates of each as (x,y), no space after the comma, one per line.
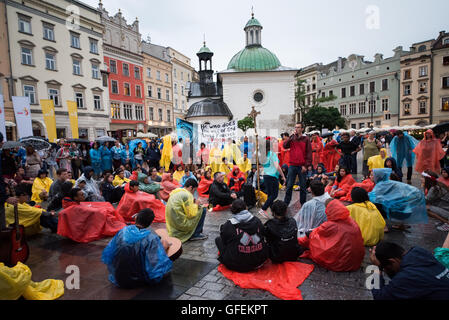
(300,150)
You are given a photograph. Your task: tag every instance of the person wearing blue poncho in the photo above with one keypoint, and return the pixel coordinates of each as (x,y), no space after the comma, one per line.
(136,256)
(402,147)
(402,203)
(106,157)
(95,158)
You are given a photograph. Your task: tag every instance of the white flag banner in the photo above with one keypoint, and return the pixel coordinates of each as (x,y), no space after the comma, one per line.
(218,132)
(22,112)
(2,118)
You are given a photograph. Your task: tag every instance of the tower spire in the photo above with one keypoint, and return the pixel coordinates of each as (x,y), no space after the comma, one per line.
(252,12)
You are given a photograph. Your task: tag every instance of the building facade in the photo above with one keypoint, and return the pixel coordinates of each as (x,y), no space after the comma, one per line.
(158,88)
(415,106)
(181,75)
(366,93)
(59,53)
(440,76)
(308,77)
(122,55)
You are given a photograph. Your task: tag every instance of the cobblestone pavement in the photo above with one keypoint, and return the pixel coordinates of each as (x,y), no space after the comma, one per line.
(195,275)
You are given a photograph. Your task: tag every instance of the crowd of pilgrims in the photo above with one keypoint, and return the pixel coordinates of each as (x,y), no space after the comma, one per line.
(121,190)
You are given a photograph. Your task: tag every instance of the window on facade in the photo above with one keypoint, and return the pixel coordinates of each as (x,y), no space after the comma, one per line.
(406,109)
(343,109)
(445,82)
(407,74)
(423,71)
(378,122)
(176,88)
(352,91)
(343,93)
(149,72)
(112,66)
(150,91)
(445,104)
(115,110)
(175,73)
(407,90)
(176,103)
(125,70)
(95,71)
(182,75)
(372,106)
(30,92)
(53,94)
(352,108)
(99,132)
(182,90)
(50,61)
(446,61)
(362,89)
(353,126)
(114,86)
(166,77)
(313,86)
(83,133)
(160,114)
(75,40)
(139,113)
(104,77)
(127,90)
(79,98)
(384,84)
(308,100)
(159,93)
(128,111)
(27,56)
(138,92)
(167,95)
(422,87)
(362,107)
(151,113)
(183,104)
(372,86)
(387,116)
(323,95)
(93,46)
(158,75)
(24,24)
(76,67)
(168,116)
(97,102)
(137,73)
(308,88)
(331,93)
(361,125)
(385,105)
(445,41)
(422,107)
(49,32)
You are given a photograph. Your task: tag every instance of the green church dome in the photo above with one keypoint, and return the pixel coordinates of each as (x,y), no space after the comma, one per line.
(254,58)
(204,49)
(253,22)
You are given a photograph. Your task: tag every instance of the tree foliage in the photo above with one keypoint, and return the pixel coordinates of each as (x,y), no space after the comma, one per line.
(245,124)
(320,117)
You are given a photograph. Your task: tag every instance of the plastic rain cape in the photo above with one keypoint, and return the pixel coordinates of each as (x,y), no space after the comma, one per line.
(402,149)
(166,154)
(429,153)
(151,188)
(141,246)
(16,282)
(311,215)
(402,202)
(370,221)
(182,214)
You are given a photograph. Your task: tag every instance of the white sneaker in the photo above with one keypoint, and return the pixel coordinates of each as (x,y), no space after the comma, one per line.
(264,214)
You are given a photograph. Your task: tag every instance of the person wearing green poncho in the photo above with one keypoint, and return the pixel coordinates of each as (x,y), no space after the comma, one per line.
(184,215)
(146,186)
(442,254)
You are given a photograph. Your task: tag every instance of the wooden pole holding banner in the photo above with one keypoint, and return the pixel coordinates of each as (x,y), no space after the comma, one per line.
(253,114)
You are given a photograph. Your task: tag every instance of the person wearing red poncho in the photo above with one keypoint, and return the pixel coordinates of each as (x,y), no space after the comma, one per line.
(330,156)
(87,221)
(428,153)
(134,200)
(342,185)
(284,154)
(236,179)
(169,184)
(204,185)
(337,244)
(317,150)
(367,184)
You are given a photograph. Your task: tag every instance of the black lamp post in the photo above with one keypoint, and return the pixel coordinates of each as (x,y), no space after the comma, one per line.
(372,99)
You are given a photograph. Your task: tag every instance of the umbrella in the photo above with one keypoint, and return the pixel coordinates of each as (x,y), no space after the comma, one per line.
(78,141)
(441,128)
(133,144)
(12,145)
(146,135)
(36,142)
(104,139)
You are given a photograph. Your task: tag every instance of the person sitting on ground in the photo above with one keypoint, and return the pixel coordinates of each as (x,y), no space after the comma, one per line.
(70,178)
(127,169)
(92,191)
(367,185)
(313,213)
(320,172)
(75,197)
(188,174)
(241,244)
(56,203)
(415,274)
(225,167)
(444,179)
(342,185)
(252,192)
(377,162)
(26,182)
(154,176)
(281,234)
(107,188)
(310,174)
(139,244)
(391,163)
(204,185)
(442,253)
(41,187)
(32,218)
(119,179)
(219,193)
(179,173)
(56,186)
(184,215)
(369,219)
(168,184)
(337,244)
(244,165)
(437,199)
(146,186)
(236,179)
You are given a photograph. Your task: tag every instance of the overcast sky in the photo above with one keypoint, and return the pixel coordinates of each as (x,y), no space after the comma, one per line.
(298,32)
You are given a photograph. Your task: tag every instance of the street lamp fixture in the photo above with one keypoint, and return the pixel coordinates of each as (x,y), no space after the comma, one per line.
(370,98)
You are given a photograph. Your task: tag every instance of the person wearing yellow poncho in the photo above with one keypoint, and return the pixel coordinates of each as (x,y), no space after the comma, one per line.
(16,282)
(231,152)
(244,165)
(167,153)
(225,168)
(120,179)
(184,217)
(179,173)
(368,218)
(41,187)
(215,158)
(377,162)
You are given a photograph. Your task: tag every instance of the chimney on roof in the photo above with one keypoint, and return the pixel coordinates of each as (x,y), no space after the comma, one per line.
(442,33)
(339,64)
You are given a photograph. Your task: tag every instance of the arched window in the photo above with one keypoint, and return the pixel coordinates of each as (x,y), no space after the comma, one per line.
(257,37)
(252,37)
